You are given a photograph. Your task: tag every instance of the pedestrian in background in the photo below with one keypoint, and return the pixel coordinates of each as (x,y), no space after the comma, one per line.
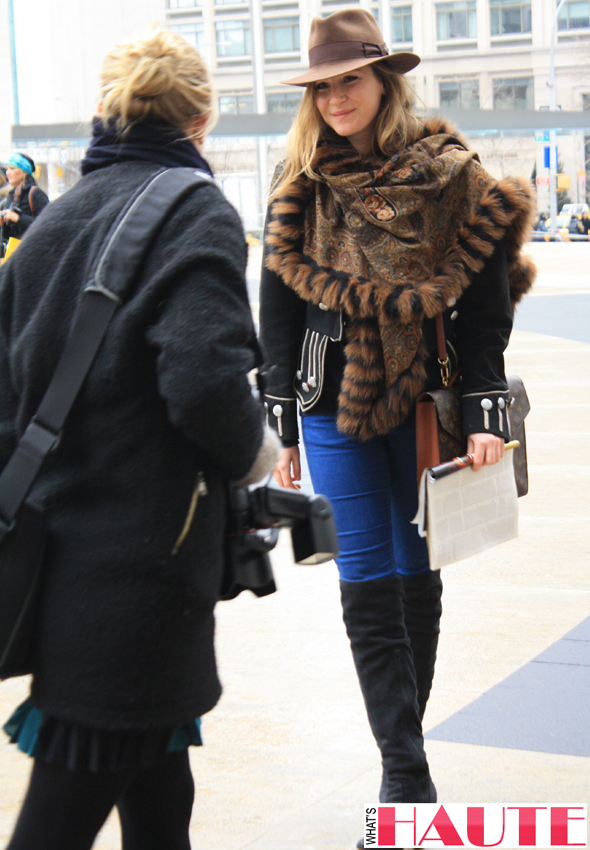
(134,493)
(584,223)
(378,222)
(24,202)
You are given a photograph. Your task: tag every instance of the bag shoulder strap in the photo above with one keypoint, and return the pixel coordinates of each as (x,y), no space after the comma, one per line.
(119,259)
(441,345)
(31,190)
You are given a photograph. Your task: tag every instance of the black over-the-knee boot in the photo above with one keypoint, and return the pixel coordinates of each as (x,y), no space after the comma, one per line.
(374,619)
(422,613)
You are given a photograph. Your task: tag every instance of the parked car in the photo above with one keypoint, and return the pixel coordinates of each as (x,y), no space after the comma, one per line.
(568,219)
(574,209)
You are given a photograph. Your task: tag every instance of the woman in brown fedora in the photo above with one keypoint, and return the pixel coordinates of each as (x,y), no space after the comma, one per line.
(379,221)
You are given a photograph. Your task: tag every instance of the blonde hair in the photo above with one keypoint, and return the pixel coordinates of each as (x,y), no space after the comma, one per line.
(156,74)
(395,127)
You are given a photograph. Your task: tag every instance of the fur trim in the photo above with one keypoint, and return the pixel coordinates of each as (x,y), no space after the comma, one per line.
(504,212)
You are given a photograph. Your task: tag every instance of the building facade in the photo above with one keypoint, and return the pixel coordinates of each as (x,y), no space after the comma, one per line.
(476,54)
(487,54)
(489,57)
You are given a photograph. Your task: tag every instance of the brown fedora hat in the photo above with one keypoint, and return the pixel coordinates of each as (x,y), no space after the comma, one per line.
(347,40)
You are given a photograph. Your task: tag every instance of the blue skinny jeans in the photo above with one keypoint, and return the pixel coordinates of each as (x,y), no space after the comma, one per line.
(374,494)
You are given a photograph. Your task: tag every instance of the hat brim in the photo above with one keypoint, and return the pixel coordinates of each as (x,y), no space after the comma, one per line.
(400,62)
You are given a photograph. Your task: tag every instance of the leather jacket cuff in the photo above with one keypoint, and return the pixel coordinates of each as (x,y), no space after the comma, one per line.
(486,412)
(281,415)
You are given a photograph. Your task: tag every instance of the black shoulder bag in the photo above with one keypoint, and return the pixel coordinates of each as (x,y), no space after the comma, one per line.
(23,530)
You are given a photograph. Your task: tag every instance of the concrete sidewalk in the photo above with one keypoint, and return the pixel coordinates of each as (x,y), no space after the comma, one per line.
(289,761)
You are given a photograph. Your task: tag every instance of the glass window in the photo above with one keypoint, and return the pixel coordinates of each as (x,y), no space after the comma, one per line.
(460,94)
(192,32)
(231,2)
(283,102)
(514,93)
(281,35)
(401,23)
(233,38)
(182,4)
(574,15)
(236,104)
(508,16)
(456,20)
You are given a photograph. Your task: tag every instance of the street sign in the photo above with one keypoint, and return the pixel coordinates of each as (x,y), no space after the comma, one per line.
(542,136)
(546,155)
(542,180)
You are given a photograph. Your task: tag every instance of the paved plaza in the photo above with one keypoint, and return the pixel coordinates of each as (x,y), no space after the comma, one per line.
(289,761)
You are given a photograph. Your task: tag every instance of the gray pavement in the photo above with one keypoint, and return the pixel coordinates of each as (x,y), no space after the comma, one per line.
(289,762)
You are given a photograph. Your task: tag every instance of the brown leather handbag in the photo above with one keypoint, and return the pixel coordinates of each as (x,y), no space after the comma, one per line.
(439,425)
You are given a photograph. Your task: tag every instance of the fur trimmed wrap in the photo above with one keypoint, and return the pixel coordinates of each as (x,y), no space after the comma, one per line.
(392,243)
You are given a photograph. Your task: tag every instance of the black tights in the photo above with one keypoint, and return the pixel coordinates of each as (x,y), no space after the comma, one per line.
(65,810)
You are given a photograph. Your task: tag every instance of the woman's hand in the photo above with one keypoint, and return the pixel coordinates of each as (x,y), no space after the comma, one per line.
(487,449)
(10,215)
(287,472)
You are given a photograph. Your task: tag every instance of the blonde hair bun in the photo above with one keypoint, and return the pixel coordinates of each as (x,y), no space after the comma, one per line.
(156,74)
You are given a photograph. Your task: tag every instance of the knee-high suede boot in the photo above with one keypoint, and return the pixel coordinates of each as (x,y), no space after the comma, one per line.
(422,613)
(374,619)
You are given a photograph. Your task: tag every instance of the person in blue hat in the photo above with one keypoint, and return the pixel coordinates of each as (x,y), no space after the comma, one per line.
(25,201)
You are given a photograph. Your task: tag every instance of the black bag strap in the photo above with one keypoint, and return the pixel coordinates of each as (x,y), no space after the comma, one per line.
(119,259)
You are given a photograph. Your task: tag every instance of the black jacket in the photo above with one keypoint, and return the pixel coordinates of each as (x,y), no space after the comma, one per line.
(303,349)
(30,194)
(126,627)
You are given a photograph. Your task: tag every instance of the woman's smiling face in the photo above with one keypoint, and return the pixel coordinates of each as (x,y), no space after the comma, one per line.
(350,103)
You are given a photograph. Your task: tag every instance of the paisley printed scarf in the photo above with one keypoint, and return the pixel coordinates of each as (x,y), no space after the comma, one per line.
(391,242)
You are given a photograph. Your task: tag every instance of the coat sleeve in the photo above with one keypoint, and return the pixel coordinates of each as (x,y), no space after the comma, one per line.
(282,317)
(206,345)
(483,327)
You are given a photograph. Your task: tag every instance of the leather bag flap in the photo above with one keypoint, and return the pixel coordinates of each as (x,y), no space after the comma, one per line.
(448,408)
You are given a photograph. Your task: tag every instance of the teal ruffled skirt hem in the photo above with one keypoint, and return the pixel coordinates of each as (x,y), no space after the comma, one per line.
(23,727)
(79,748)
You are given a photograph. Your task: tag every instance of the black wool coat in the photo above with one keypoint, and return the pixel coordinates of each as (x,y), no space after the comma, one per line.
(125,637)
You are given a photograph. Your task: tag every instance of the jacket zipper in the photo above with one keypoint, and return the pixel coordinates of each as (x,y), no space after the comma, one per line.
(200,489)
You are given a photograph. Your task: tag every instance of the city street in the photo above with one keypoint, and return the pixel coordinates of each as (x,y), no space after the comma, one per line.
(289,761)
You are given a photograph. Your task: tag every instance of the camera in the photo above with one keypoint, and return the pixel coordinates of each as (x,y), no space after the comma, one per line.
(255,517)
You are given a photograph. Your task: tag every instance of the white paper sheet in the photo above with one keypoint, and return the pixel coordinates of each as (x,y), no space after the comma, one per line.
(467,512)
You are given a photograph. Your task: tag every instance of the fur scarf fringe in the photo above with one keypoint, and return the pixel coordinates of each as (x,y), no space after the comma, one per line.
(373,398)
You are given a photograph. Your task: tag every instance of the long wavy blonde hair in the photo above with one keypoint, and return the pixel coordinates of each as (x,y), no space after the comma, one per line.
(156,74)
(396,125)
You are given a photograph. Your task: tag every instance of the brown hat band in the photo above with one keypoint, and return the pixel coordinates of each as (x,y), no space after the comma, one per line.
(338,50)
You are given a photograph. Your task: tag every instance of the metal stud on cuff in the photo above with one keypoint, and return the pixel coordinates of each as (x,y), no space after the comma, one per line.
(278,412)
(487,406)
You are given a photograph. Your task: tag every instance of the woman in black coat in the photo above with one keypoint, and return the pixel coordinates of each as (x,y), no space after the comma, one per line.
(24,202)
(125,660)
